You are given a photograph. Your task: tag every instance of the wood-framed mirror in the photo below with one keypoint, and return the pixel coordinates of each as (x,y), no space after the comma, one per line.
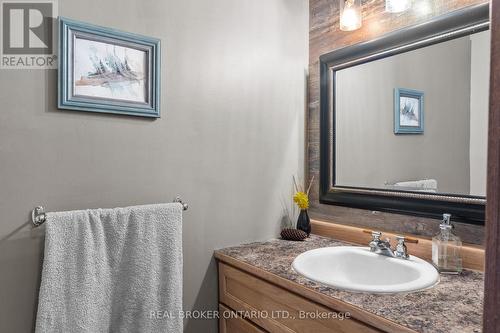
(403,119)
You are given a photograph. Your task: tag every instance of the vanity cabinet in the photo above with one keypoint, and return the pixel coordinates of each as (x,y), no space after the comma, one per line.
(251,304)
(230,321)
(262,293)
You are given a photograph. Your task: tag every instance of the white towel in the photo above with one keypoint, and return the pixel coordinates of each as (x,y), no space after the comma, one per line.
(112,270)
(423,185)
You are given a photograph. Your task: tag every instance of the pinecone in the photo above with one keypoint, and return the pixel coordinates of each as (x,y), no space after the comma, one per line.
(293,234)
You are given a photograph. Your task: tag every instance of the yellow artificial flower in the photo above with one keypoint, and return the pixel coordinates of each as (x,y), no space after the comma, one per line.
(301,200)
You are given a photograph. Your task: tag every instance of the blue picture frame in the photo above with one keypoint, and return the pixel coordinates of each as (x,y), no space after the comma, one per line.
(408,111)
(145,103)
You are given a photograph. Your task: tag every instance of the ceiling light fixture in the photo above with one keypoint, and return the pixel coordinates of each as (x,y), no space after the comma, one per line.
(397,6)
(350,15)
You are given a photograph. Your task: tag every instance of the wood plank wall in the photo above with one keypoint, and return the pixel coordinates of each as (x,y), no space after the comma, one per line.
(325,36)
(492,279)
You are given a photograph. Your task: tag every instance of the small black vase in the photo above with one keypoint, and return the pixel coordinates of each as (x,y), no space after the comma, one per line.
(303,222)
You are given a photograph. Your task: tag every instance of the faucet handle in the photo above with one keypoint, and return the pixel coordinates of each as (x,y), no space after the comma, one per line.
(401,249)
(374,243)
(376,235)
(376,238)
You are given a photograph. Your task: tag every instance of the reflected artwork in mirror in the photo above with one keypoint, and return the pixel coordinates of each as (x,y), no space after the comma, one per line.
(404,119)
(408,111)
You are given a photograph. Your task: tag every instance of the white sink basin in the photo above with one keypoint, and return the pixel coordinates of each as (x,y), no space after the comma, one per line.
(355,268)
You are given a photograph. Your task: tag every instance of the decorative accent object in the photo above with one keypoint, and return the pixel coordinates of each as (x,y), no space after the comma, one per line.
(106,70)
(303,222)
(301,198)
(397,6)
(408,111)
(350,15)
(293,234)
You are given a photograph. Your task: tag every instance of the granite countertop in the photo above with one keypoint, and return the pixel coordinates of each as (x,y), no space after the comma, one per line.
(454,305)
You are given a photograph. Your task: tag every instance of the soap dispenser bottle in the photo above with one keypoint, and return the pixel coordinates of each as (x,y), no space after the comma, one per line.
(447,248)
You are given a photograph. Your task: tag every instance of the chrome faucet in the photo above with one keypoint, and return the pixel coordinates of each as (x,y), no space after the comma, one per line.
(383,247)
(401,250)
(379,246)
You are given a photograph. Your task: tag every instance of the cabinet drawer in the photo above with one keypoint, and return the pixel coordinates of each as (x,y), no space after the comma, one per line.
(229,322)
(278,310)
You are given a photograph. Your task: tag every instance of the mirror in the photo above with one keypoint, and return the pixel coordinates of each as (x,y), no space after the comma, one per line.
(416,121)
(404,119)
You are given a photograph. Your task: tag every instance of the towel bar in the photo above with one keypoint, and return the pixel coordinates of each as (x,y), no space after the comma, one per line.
(38,214)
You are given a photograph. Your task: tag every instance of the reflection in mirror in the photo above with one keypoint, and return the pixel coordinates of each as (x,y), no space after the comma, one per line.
(416,121)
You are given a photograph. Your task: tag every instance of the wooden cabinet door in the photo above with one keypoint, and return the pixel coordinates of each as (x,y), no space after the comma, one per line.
(278,310)
(230,322)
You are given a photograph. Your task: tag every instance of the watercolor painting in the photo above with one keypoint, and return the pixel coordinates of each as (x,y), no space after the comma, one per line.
(408,111)
(109,71)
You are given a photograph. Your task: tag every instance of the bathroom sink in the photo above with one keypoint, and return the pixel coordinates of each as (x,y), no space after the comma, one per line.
(357,269)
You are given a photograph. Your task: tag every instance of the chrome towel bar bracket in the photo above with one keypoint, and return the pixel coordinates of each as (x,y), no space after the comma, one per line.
(179,200)
(38,215)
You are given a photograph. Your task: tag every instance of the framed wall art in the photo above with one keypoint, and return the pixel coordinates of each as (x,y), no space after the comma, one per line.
(408,111)
(108,71)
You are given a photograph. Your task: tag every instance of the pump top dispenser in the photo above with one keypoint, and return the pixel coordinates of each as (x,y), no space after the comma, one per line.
(447,248)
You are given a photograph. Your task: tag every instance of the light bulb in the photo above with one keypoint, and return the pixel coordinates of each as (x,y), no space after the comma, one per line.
(350,15)
(397,6)
(423,8)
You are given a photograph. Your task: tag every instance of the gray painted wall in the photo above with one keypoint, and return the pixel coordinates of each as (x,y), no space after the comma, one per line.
(479,93)
(230,137)
(365,135)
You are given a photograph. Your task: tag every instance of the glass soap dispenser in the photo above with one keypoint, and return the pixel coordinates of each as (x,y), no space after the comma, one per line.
(447,248)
